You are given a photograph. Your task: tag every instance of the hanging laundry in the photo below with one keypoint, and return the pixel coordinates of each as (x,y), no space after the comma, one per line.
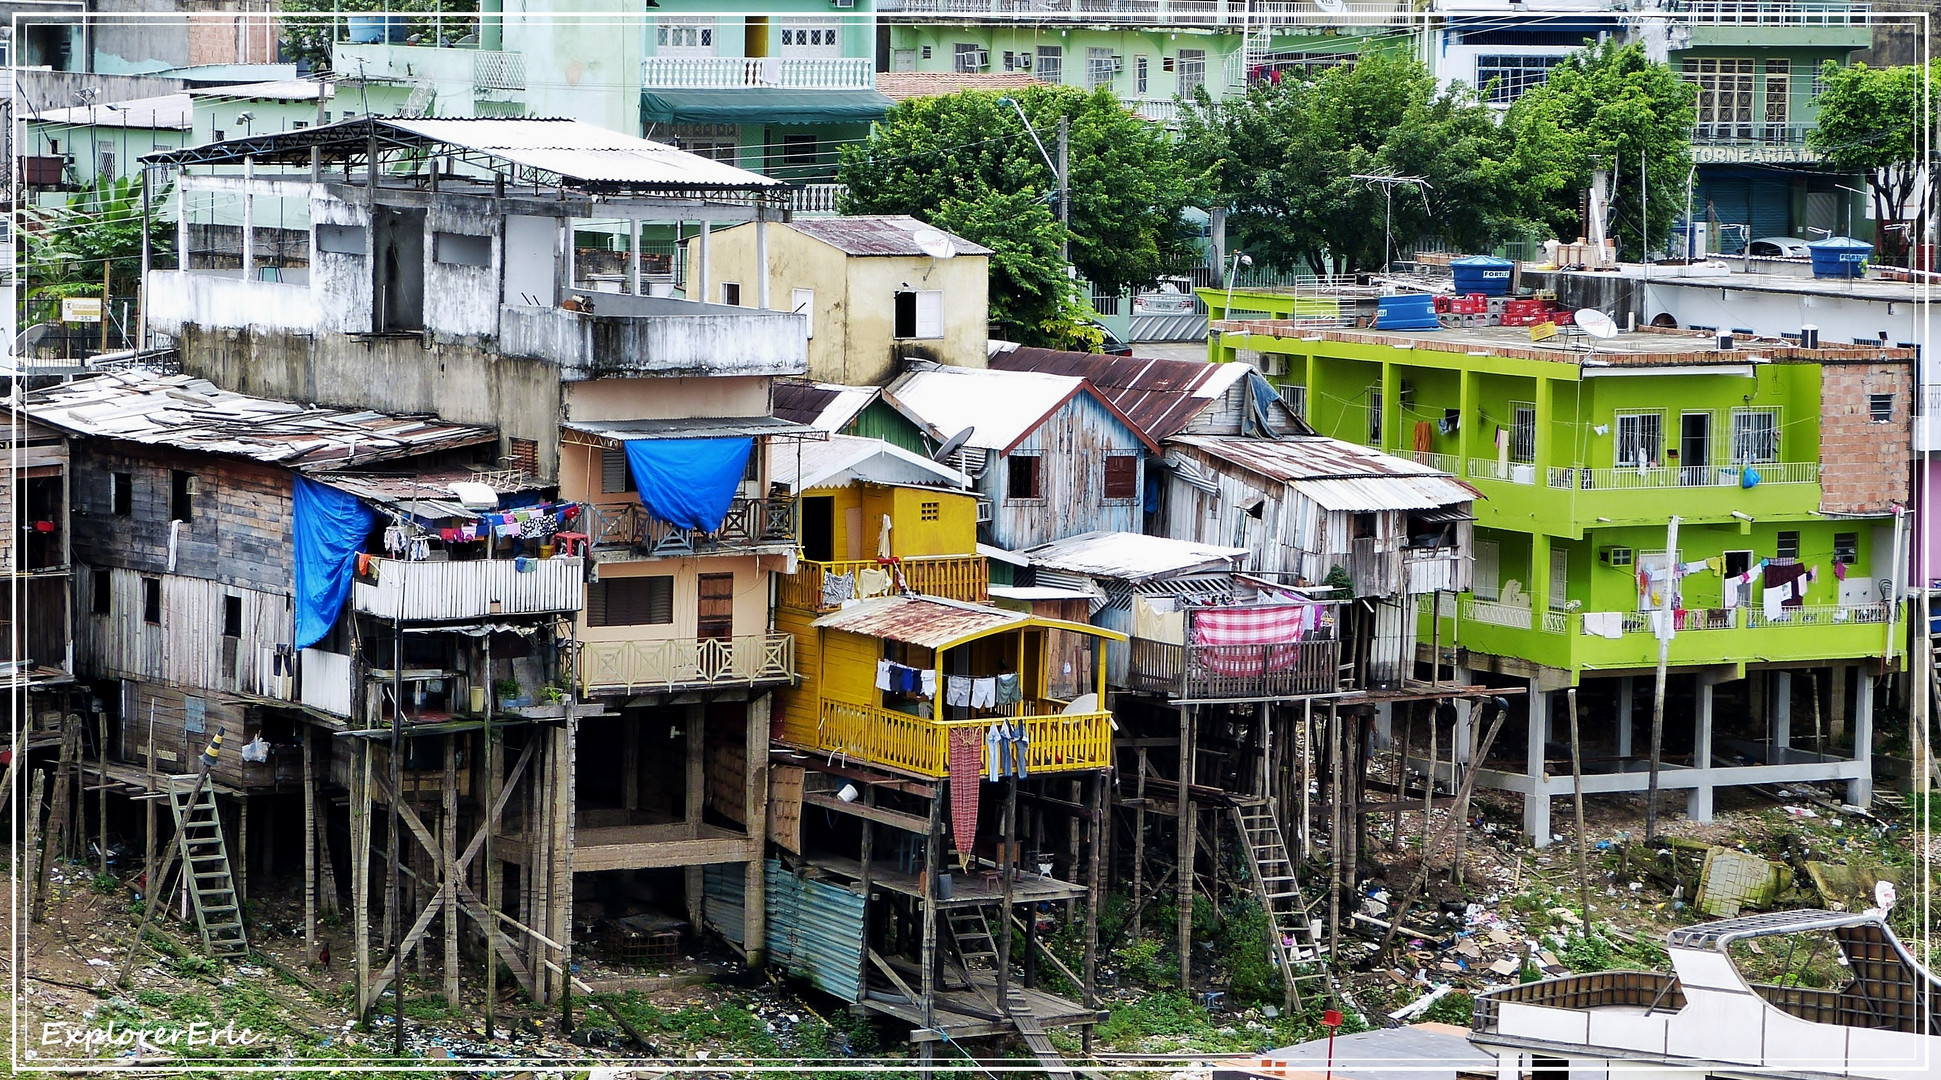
(883,676)
(983,692)
(927,685)
(1716,564)
(1008,689)
(871,582)
(1784,577)
(1840,571)
(1699,566)
(957,690)
(907,679)
(1424,436)
(966,749)
(997,741)
(1775,600)
(837,588)
(420,548)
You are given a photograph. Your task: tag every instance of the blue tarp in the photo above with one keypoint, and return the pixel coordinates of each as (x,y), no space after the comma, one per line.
(330,527)
(688,482)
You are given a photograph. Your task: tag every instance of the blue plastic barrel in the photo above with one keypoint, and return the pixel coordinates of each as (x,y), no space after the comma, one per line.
(1409,311)
(1839,256)
(1484,274)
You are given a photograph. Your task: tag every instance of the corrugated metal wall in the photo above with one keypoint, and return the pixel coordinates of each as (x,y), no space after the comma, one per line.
(723,892)
(815,929)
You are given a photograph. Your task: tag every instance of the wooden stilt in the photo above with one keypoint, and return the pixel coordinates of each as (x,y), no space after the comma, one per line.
(1336,848)
(1007,864)
(101,808)
(561,927)
(309,849)
(1183,877)
(1402,777)
(58,822)
(755,794)
(1094,897)
(1139,847)
(932,862)
(360,835)
(1399,913)
(695,730)
(36,838)
(1577,786)
(242,850)
(448,839)
(1305,763)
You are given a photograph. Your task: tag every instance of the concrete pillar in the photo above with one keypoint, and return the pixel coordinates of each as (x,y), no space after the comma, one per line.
(1464,735)
(1384,725)
(249,222)
(1781,710)
(698,290)
(761,263)
(1538,585)
(755,794)
(1837,699)
(182,228)
(1626,709)
(1860,790)
(633,256)
(1536,805)
(1698,804)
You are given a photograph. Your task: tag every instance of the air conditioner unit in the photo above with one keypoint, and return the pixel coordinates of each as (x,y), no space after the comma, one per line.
(985,510)
(1273,364)
(979,60)
(1118,63)
(844,4)
(1024,61)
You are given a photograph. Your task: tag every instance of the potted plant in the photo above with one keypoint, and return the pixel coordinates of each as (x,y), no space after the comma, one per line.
(507,691)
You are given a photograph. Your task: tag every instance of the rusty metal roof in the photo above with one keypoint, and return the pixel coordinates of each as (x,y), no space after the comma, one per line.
(933,622)
(1336,474)
(1132,556)
(1160,396)
(188,413)
(829,406)
(878,234)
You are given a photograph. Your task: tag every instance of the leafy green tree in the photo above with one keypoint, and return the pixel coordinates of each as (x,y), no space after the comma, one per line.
(308,36)
(1871,121)
(964,162)
(1609,108)
(67,246)
(1284,161)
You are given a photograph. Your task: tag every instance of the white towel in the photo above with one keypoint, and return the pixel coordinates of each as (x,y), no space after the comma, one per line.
(882,674)
(1774,598)
(929,679)
(983,692)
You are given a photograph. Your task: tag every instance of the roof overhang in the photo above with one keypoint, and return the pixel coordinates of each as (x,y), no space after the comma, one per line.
(936,623)
(612,433)
(762,105)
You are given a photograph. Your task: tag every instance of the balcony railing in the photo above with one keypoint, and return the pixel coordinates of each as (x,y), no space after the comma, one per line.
(674,663)
(1236,671)
(1435,569)
(1146,12)
(448,591)
(1818,615)
(1599,990)
(1750,134)
(1772,13)
(817,198)
(1728,476)
(1448,463)
(739,72)
(1058,743)
(953,577)
(750,523)
(1491,613)
(1510,472)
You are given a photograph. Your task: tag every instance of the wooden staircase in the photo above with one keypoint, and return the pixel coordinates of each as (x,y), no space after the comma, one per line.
(970,934)
(1290,920)
(205,868)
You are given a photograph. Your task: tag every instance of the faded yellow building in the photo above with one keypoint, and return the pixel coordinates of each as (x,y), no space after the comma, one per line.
(875,289)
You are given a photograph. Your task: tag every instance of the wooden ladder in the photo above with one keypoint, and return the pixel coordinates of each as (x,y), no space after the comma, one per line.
(1289,919)
(205,868)
(970,932)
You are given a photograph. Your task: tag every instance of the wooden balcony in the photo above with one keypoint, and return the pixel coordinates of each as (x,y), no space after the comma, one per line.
(952,577)
(912,744)
(751,523)
(437,591)
(682,663)
(1223,672)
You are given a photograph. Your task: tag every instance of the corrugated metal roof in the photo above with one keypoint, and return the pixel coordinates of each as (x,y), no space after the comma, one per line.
(694,427)
(428,494)
(878,234)
(1000,407)
(194,414)
(903,85)
(276,90)
(929,621)
(846,459)
(1160,396)
(1132,556)
(171,112)
(1336,474)
(829,406)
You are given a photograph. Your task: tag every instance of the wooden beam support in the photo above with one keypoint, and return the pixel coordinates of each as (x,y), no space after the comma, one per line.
(909,823)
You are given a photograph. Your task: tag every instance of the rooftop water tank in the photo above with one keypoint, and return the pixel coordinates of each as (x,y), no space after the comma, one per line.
(1839,256)
(1409,311)
(1484,274)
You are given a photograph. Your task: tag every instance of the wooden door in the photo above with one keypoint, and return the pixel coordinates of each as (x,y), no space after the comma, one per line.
(716,614)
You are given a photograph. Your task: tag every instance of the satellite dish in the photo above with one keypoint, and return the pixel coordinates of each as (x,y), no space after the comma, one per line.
(1596,323)
(953,444)
(934,244)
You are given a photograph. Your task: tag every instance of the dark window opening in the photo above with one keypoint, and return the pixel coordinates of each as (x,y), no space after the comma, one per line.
(1022,481)
(232,616)
(100,592)
(1364,525)
(181,495)
(631,601)
(819,528)
(1544,1068)
(1121,477)
(1789,545)
(906,315)
(1846,548)
(1880,408)
(123,494)
(152,600)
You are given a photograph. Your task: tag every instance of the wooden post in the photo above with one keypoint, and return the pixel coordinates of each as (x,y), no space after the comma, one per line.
(1402,775)
(695,729)
(360,837)
(1335,846)
(1183,874)
(1399,913)
(755,793)
(1007,862)
(566,739)
(58,825)
(37,856)
(1094,890)
(1138,848)
(1304,763)
(932,861)
(489,873)
(1577,787)
(101,810)
(448,841)
(309,849)
(242,852)
(1658,683)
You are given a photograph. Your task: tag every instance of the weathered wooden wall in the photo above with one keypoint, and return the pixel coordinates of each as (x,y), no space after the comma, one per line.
(243,504)
(182,723)
(187,647)
(1074,442)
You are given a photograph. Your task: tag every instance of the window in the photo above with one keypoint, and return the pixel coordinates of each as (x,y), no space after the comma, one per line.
(1192,70)
(1295,398)
(809,37)
(1506,78)
(1121,476)
(1375,417)
(1789,545)
(181,495)
(219,134)
(152,600)
(1779,90)
(1880,408)
(1100,68)
(1022,480)
(1139,66)
(731,293)
(802,302)
(801,151)
(1846,548)
(1724,97)
(675,37)
(930,511)
(1523,432)
(341,239)
(1487,586)
(968,57)
(462,249)
(1010,60)
(123,494)
(615,476)
(715,607)
(926,52)
(523,454)
(106,150)
(232,616)
(919,315)
(100,592)
(1363,526)
(630,601)
(1755,435)
(1640,439)
(717,142)
(1051,63)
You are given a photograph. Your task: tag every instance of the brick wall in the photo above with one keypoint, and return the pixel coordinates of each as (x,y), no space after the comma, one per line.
(1864,463)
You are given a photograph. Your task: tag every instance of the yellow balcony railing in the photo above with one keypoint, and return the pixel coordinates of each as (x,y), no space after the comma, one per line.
(953,577)
(671,663)
(1057,743)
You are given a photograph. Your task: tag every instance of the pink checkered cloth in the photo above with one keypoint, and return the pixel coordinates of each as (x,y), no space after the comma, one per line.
(966,772)
(1240,632)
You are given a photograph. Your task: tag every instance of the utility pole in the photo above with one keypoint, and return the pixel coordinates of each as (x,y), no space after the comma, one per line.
(1065,188)
(1664,630)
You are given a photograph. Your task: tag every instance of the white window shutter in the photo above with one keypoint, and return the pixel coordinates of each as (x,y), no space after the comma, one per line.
(930,314)
(802,302)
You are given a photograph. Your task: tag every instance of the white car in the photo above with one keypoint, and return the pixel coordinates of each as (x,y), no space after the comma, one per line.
(1168,299)
(1785,247)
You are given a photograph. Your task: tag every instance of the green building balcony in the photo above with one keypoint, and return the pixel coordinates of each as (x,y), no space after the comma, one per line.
(1515,493)
(1774,23)
(1578,641)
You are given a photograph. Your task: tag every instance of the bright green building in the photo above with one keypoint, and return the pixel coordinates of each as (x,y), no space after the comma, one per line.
(1764,453)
